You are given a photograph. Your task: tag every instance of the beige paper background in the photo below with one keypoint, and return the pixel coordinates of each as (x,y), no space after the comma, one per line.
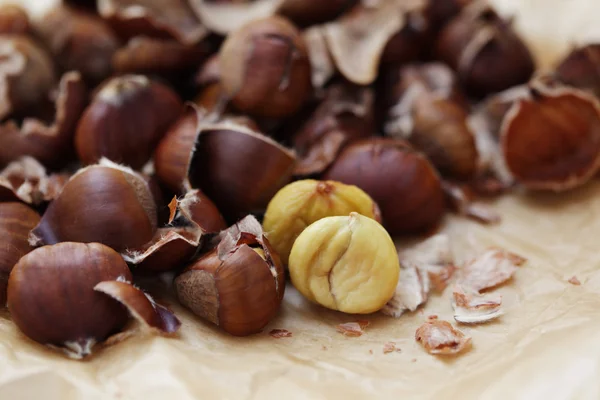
(547,346)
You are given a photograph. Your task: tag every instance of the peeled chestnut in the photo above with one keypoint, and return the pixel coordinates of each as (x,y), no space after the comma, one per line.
(51,295)
(346,114)
(485,51)
(265,68)
(239,285)
(16,220)
(104,203)
(125,121)
(400,180)
(13,19)
(581,69)
(551,139)
(79,40)
(26,73)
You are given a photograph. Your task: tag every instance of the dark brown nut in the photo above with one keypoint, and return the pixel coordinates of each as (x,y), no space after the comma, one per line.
(551,140)
(16,220)
(104,203)
(265,68)
(49,143)
(408,43)
(157,56)
(439,12)
(26,180)
(79,40)
(51,295)
(155,18)
(239,285)
(198,209)
(125,121)
(485,51)
(26,74)
(581,68)
(401,181)
(238,168)
(357,40)
(309,12)
(346,114)
(13,19)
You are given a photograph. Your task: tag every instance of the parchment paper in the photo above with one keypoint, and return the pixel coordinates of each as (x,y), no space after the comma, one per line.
(546,346)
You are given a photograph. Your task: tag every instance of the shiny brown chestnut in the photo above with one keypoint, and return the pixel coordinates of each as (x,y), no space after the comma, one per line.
(44,284)
(105,203)
(346,114)
(407,44)
(26,72)
(49,143)
(401,181)
(239,285)
(16,220)
(550,140)
(79,40)
(439,12)
(238,168)
(485,51)
(125,121)
(581,68)
(13,19)
(265,68)
(309,12)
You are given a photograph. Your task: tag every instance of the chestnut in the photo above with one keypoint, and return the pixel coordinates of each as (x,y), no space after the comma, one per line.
(485,51)
(430,112)
(581,68)
(157,56)
(400,180)
(237,286)
(439,12)
(406,45)
(16,220)
(309,12)
(27,74)
(550,139)
(154,18)
(265,68)
(51,295)
(196,208)
(50,143)
(105,203)
(345,114)
(79,40)
(125,120)
(13,19)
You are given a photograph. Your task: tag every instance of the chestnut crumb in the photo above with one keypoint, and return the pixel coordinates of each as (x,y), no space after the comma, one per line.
(574,281)
(280,333)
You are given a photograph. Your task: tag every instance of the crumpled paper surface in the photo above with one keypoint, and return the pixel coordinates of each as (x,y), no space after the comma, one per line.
(546,346)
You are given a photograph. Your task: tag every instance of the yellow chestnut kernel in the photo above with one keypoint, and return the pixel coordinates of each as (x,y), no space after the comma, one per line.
(345,263)
(301,203)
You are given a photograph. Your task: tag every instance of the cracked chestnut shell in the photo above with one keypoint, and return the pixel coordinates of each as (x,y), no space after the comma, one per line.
(401,181)
(485,51)
(551,139)
(125,121)
(16,220)
(104,203)
(581,68)
(51,295)
(265,68)
(239,285)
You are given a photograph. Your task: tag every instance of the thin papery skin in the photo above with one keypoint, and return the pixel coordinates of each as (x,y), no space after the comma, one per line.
(172,18)
(348,264)
(51,144)
(301,203)
(491,268)
(551,140)
(26,180)
(439,337)
(141,306)
(472,308)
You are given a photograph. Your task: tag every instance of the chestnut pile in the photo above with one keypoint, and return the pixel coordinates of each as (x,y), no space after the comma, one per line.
(145,137)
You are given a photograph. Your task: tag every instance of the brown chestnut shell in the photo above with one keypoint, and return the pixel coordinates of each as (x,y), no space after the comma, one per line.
(13,19)
(400,180)
(52,300)
(581,68)
(104,203)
